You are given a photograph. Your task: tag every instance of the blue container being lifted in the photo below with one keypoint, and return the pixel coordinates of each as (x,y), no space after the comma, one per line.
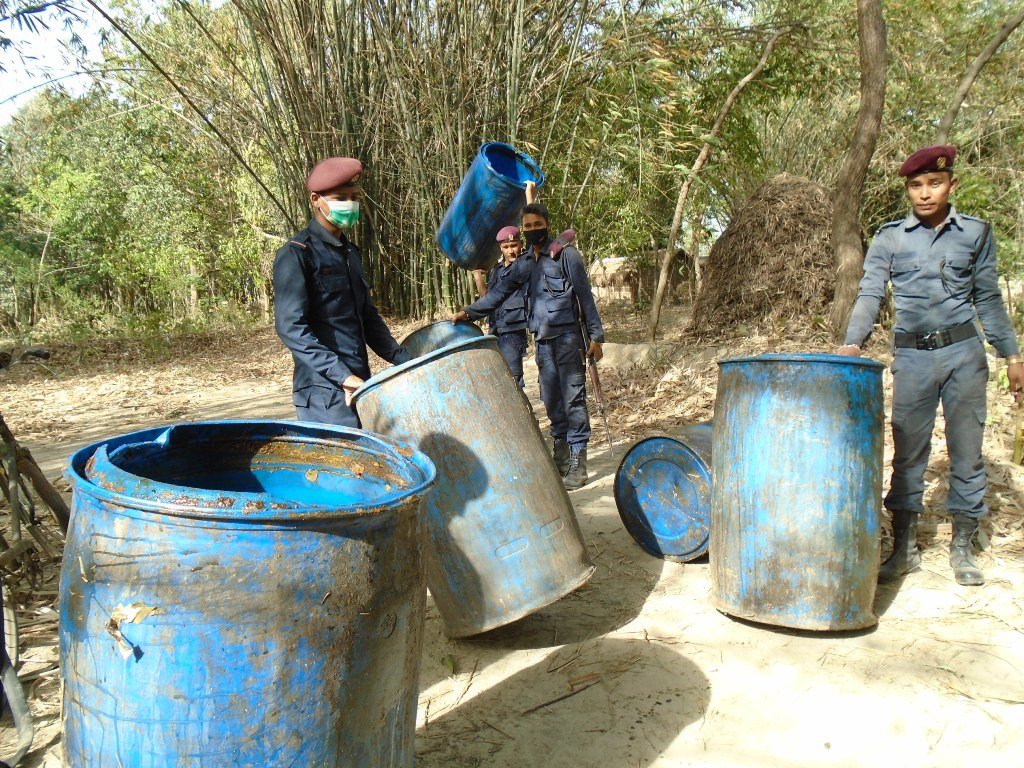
(795,505)
(438,335)
(663,493)
(502,536)
(491,196)
(243,594)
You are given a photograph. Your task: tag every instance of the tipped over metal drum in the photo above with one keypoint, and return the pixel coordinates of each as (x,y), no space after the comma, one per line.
(502,536)
(438,335)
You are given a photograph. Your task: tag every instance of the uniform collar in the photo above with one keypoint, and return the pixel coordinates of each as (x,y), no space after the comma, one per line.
(952,219)
(544,249)
(321,231)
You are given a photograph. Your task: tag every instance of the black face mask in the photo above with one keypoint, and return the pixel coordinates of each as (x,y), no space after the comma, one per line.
(536,237)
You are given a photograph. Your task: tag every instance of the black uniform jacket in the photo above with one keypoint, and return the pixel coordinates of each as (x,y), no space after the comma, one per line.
(324,313)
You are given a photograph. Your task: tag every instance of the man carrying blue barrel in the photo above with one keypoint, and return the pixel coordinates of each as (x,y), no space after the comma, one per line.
(560,301)
(942,267)
(508,321)
(323,310)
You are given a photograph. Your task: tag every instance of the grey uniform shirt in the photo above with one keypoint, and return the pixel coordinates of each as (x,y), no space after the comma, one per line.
(933,282)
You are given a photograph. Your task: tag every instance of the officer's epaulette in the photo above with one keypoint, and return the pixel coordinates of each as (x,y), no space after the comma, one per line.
(297,242)
(889,225)
(975,219)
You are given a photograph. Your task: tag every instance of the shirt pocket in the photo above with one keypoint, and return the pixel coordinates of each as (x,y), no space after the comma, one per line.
(957,273)
(560,309)
(906,266)
(514,309)
(332,279)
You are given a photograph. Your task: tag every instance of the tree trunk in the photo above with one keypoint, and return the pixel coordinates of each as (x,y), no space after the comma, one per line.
(684,190)
(942,133)
(846,240)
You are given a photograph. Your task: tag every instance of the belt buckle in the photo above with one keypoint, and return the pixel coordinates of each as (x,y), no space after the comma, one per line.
(934,340)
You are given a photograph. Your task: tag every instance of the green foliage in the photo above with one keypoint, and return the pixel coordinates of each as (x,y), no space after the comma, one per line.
(120,212)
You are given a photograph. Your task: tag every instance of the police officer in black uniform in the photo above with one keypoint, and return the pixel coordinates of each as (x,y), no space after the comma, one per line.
(323,310)
(558,289)
(942,267)
(508,322)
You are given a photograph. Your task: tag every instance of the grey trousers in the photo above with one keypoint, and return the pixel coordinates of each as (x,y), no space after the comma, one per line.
(955,375)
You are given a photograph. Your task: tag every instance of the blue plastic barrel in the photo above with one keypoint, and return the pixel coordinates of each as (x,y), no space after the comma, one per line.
(502,536)
(440,334)
(491,196)
(243,594)
(663,493)
(797,461)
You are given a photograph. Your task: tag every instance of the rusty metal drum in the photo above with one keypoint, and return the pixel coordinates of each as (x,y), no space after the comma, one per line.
(440,334)
(502,537)
(243,594)
(796,500)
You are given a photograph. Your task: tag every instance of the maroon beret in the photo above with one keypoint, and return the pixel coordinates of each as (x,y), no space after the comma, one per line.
(332,173)
(937,158)
(508,234)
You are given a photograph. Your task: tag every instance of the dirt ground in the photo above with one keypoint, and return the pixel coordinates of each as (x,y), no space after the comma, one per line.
(658,677)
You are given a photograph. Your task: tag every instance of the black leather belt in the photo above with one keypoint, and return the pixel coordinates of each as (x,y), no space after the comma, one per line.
(936,339)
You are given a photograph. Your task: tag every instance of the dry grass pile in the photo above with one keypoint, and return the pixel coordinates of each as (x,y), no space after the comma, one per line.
(773,262)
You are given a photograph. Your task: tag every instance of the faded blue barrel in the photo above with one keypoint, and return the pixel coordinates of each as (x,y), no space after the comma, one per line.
(797,461)
(243,594)
(437,335)
(502,537)
(491,196)
(663,493)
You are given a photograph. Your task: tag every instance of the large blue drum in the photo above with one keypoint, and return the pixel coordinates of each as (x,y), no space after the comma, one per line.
(795,504)
(502,537)
(491,196)
(244,595)
(440,334)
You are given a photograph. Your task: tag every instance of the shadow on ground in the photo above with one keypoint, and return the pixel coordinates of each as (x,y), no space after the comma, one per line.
(607,702)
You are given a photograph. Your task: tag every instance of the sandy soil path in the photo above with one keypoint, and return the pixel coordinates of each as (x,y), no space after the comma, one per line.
(663,679)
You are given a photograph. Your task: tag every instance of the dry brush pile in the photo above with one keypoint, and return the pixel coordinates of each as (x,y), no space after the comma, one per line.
(773,264)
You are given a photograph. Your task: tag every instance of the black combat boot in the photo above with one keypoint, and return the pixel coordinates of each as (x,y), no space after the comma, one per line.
(961,559)
(561,457)
(576,476)
(905,557)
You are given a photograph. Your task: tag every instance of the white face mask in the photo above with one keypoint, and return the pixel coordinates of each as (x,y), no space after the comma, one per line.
(343,213)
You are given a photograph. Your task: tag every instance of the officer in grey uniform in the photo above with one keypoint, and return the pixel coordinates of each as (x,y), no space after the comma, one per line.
(323,310)
(559,291)
(942,267)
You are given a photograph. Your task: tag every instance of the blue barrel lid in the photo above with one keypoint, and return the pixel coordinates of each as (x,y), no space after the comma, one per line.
(253,471)
(804,357)
(397,370)
(663,494)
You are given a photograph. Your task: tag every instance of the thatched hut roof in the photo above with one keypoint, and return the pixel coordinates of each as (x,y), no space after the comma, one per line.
(773,263)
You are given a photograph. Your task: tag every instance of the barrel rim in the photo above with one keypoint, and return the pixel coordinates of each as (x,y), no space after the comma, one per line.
(529,161)
(298,513)
(804,357)
(629,522)
(397,370)
(421,329)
